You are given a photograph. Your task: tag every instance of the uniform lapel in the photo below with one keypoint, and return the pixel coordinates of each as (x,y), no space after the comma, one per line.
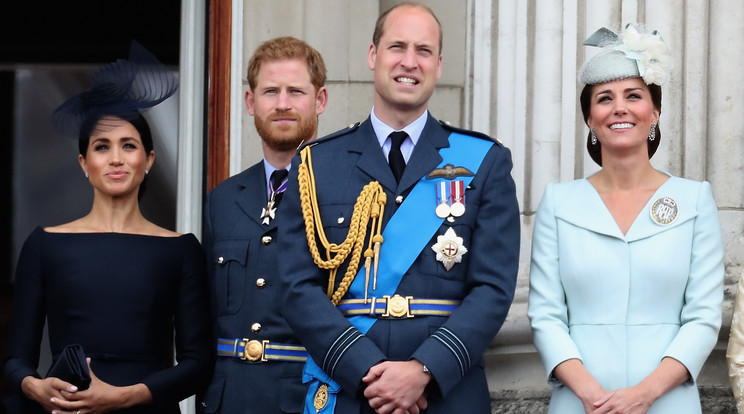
(425,156)
(371,159)
(251,196)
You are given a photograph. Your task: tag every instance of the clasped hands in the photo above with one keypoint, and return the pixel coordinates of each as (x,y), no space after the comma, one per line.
(397,387)
(61,397)
(621,401)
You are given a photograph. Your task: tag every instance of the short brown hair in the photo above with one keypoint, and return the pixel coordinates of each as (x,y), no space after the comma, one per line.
(379,26)
(287,47)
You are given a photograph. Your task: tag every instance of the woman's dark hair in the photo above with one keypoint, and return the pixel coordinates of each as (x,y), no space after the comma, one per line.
(595,151)
(141,125)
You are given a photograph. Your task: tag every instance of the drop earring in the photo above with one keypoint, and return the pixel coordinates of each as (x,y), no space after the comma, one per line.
(652,133)
(86,174)
(147,172)
(594,136)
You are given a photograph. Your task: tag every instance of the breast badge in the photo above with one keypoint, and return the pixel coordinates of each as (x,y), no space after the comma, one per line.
(664,211)
(449,249)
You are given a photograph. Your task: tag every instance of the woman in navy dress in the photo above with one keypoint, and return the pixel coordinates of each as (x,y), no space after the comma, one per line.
(130,292)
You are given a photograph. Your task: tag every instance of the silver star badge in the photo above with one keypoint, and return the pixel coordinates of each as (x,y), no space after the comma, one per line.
(449,249)
(268,213)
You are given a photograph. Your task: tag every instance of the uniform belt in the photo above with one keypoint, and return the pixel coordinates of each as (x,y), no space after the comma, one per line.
(397,307)
(260,351)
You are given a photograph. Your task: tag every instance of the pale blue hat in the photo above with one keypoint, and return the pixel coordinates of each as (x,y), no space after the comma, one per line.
(630,54)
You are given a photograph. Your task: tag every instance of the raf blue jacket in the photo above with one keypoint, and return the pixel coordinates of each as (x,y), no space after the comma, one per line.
(451,346)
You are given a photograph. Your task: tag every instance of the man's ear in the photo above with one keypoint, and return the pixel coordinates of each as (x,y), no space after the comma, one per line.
(249,102)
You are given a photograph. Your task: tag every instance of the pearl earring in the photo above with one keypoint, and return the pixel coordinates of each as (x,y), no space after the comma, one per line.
(147,172)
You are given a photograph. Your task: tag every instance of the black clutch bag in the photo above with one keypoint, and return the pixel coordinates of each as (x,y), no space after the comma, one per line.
(72,367)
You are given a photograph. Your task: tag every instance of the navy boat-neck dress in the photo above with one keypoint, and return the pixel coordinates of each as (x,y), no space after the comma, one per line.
(125,298)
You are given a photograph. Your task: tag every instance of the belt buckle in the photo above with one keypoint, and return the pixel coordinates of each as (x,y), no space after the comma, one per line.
(397,306)
(254,350)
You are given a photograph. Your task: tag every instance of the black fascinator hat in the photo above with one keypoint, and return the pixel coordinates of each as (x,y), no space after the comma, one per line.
(122,89)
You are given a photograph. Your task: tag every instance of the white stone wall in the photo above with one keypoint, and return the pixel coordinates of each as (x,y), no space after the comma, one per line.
(510,70)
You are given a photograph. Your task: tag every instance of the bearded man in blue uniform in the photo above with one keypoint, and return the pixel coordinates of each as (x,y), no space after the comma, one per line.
(401,235)
(259,360)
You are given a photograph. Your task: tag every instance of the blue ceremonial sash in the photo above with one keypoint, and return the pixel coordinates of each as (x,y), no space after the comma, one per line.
(404,237)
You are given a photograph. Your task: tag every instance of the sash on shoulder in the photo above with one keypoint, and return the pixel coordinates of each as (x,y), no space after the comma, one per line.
(406,234)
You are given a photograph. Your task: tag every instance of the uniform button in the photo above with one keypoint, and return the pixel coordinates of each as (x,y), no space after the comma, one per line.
(340,220)
(266,240)
(220,260)
(399,199)
(256,327)
(260,282)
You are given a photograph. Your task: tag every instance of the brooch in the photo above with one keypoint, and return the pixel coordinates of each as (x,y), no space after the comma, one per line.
(664,211)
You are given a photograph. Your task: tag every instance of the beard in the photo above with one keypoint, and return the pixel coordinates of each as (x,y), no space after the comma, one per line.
(286,137)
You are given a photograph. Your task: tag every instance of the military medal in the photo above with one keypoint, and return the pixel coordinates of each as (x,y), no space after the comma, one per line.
(443,208)
(664,211)
(449,249)
(457,208)
(268,213)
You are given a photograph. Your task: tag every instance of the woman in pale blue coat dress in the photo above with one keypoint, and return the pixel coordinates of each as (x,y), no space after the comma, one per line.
(626,281)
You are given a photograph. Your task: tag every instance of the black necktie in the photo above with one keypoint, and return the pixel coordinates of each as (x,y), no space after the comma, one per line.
(395,157)
(278,185)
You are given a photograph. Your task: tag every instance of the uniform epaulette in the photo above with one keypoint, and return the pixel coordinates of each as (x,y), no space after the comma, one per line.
(463,131)
(333,135)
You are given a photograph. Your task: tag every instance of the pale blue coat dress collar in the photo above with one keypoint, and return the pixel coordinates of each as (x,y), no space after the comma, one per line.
(592,214)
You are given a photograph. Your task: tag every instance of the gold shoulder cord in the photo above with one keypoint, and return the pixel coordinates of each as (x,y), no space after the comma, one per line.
(369,204)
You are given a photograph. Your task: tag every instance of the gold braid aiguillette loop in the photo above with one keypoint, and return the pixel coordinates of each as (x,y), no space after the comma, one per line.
(369,204)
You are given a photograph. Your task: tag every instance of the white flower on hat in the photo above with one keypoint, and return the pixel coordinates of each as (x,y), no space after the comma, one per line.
(650,53)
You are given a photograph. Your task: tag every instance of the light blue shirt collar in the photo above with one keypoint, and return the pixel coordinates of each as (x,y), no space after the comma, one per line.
(413,130)
(268,169)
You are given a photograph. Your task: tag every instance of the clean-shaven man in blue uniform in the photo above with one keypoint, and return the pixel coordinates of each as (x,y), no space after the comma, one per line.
(418,292)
